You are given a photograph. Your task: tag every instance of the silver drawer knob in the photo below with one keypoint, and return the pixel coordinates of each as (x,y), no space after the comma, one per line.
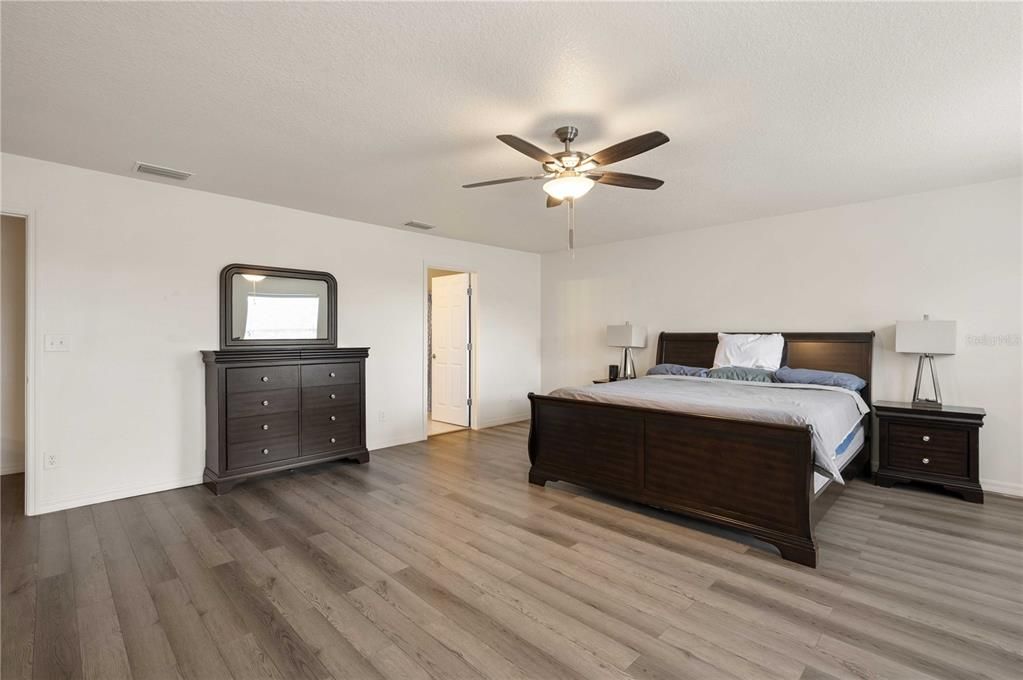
(265,378)
(333,418)
(333,396)
(266,427)
(266,451)
(926,461)
(332,440)
(266,402)
(333,375)
(926,438)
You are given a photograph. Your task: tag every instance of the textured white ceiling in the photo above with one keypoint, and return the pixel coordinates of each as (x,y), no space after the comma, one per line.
(379,112)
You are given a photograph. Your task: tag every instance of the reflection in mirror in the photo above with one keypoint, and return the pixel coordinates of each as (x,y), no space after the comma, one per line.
(278,308)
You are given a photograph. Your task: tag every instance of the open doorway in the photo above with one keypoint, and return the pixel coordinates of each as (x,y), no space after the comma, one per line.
(449,351)
(12,349)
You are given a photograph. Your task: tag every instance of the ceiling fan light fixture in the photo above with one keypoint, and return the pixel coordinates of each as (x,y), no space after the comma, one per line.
(568,185)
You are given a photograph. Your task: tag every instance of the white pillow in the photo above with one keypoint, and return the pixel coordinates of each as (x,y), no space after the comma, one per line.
(749,350)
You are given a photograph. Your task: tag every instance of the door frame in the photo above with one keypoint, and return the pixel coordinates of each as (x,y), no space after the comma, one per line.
(30,353)
(474,316)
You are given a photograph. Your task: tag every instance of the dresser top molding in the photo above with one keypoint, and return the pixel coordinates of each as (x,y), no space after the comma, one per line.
(262,356)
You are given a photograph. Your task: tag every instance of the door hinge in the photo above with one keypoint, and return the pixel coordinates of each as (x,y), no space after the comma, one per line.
(468,291)
(468,347)
(469,401)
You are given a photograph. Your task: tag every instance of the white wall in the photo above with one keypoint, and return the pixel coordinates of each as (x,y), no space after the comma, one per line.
(129,268)
(12,341)
(954,254)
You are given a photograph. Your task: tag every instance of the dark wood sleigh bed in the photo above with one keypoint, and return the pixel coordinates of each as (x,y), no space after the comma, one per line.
(751,476)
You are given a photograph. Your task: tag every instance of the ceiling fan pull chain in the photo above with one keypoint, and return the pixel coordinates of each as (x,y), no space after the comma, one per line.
(571,227)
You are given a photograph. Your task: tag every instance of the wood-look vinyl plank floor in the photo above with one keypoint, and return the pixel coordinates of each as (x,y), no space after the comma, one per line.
(438,560)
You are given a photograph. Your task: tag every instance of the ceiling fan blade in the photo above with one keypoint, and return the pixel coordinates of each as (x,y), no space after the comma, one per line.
(622,179)
(531,150)
(629,148)
(499,181)
(553,202)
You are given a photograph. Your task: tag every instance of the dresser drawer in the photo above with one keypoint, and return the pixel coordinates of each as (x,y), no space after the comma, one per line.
(245,404)
(264,378)
(262,451)
(330,396)
(339,438)
(936,462)
(256,428)
(316,421)
(928,438)
(314,375)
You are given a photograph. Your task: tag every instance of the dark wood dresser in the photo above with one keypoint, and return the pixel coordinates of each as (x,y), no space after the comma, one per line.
(278,409)
(937,446)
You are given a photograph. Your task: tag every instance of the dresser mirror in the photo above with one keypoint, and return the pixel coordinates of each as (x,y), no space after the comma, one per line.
(263,307)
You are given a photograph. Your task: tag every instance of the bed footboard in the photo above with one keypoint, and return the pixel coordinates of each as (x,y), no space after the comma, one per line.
(750,476)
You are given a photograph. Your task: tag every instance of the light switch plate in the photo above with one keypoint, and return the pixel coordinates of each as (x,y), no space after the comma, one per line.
(54,342)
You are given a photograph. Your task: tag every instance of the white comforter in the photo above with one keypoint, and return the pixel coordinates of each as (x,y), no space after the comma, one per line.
(832,413)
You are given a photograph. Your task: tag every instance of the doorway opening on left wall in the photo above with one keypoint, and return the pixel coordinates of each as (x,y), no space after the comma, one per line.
(12,353)
(449,350)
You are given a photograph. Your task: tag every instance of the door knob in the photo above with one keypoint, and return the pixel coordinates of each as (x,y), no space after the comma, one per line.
(434,356)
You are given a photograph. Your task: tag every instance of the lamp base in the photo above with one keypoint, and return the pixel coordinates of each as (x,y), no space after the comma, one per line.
(917,400)
(628,371)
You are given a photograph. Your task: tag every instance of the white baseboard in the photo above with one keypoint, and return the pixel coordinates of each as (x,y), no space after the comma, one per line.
(12,468)
(401,441)
(1001,487)
(497,422)
(114,494)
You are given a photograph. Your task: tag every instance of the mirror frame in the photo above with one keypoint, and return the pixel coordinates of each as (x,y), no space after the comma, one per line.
(226,276)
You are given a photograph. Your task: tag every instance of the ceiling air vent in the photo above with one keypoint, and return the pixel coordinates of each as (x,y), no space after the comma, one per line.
(160,171)
(419,225)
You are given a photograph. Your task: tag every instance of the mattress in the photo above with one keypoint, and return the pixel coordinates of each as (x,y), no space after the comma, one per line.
(831,413)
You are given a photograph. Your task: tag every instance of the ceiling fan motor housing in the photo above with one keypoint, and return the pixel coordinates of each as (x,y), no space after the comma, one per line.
(567,134)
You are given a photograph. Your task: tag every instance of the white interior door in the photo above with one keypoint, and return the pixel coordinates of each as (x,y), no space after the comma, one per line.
(450,346)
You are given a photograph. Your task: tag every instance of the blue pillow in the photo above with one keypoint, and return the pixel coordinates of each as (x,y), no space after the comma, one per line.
(742,373)
(676,369)
(808,376)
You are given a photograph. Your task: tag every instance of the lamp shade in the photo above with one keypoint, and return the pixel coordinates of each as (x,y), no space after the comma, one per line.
(626,336)
(925,337)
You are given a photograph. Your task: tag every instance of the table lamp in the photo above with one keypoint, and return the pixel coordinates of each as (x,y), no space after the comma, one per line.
(926,338)
(626,337)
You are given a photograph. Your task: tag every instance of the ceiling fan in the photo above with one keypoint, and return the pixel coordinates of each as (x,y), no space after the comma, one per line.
(570,174)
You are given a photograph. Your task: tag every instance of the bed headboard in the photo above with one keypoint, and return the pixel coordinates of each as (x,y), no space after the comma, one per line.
(844,352)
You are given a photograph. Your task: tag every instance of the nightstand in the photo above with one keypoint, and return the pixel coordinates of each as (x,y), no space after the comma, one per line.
(937,446)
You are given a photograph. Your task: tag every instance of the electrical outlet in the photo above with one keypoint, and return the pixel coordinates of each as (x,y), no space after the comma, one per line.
(382,417)
(50,461)
(56,342)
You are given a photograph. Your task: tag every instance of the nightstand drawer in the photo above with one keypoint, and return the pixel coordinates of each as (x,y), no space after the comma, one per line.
(935,462)
(928,438)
